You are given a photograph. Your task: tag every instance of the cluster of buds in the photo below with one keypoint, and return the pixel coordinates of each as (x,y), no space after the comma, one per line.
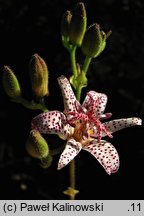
(36,145)
(92,40)
(73,25)
(38,72)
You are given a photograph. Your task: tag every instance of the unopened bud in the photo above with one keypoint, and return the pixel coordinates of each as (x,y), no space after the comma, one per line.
(39,76)
(46,162)
(94,41)
(36,145)
(78,24)
(10,83)
(65,23)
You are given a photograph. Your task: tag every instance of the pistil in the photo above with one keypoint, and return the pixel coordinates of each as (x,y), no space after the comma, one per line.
(78,131)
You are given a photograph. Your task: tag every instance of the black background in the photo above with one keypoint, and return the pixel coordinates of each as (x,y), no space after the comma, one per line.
(28,27)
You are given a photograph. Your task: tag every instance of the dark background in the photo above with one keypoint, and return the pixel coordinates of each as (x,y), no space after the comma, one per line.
(28,27)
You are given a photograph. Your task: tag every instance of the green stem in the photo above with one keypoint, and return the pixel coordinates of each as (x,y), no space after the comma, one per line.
(73,60)
(72,163)
(30,104)
(43,106)
(71,191)
(86,64)
(72,178)
(78,92)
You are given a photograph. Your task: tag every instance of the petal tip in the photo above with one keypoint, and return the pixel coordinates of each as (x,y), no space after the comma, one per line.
(58,168)
(139,121)
(60,165)
(60,78)
(111,171)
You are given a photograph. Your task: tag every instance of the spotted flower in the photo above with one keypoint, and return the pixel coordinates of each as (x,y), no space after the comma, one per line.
(82,128)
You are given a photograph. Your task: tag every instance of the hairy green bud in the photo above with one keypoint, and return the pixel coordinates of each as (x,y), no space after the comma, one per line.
(39,76)
(46,162)
(65,23)
(10,83)
(94,41)
(78,24)
(36,145)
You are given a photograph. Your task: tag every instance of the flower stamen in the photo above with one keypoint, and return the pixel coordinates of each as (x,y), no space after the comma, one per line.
(87,119)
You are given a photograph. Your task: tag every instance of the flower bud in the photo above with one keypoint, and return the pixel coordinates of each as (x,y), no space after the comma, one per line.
(39,76)
(94,41)
(65,23)
(36,145)
(78,24)
(46,162)
(10,83)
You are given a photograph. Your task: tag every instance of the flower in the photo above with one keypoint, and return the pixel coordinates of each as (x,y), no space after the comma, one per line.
(81,126)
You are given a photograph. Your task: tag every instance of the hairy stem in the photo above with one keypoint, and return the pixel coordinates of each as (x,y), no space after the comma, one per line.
(78,92)
(73,60)
(86,64)
(72,191)
(72,174)
(72,178)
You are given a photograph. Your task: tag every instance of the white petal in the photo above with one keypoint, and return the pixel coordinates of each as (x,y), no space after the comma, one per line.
(106,154)
(71,150)
(68,94)
(96,102)
(53,122)
(118,124)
